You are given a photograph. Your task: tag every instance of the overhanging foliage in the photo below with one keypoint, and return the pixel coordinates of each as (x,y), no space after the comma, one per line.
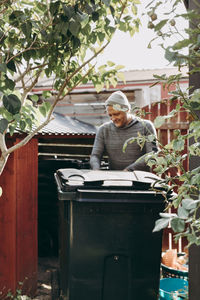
(60,40)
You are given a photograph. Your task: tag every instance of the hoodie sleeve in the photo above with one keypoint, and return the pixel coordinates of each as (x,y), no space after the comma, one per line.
(98,149)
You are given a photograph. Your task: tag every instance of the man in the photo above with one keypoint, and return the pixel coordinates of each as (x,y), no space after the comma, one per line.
(112,135)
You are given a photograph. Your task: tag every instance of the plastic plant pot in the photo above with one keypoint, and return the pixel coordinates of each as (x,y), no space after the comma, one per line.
(173,289)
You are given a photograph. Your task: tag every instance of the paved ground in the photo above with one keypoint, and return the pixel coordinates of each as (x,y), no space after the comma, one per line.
(47,279)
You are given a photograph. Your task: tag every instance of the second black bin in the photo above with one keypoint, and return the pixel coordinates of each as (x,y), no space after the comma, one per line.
(107,248)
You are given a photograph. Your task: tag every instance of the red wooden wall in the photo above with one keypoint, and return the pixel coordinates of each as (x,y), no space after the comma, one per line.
(18,220)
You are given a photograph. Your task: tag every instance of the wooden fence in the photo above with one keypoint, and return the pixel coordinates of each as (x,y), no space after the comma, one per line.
(166,134)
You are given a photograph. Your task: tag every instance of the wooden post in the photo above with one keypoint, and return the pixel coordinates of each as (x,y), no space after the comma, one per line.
(194,251)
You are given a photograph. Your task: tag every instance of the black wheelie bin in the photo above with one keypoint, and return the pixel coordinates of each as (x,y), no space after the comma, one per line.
(107,248)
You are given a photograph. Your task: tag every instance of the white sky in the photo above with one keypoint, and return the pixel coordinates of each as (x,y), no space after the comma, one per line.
(132,52)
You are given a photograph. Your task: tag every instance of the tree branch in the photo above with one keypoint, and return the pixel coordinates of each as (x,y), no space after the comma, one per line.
(28,137)
(77,70)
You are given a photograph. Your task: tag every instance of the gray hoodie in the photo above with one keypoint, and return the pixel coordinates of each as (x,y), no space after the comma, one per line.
(110,140)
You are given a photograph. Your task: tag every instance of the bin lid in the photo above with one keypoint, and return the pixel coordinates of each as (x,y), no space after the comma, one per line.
(72,179)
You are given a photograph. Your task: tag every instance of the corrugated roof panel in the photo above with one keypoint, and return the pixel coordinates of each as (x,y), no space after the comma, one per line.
(64,125)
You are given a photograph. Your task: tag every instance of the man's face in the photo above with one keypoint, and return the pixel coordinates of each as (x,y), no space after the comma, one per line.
(119,118)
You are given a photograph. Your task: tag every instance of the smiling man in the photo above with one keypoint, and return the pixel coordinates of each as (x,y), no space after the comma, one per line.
(112,135)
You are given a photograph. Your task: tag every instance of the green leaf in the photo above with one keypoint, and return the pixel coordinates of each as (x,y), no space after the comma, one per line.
(99,86)
(12,104)
(127,18)
(159,121)
(27,55)
(161,224)
(54,6)
(178,145)
(119,67)
(3,125)
(160,25)
(122,26)
(121,76)
(190,203)
(8,116)
(196,179)
(159,170)
(84,20)
(34,98)
(161,161)
(178,225)
(22,124)
(95,16)
(29,123)
(11,65)
(151,138)
(182,212)
(76,42)
(194,105)
(111,30)
(113,81)
(134,9)
(89,9)
(69,11)
(181,44)
(47,106)
(74,27)
(17,117)
(101,36)
(102,68)
(15,17)
(10,84)
(191,238)
(169,55)
(195,125)
(3,68)
(110,63)
(26,29)
(43,111)
(106,2)
(46,94)
(11,129)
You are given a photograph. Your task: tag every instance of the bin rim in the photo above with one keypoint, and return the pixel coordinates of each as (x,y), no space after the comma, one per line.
(72,179)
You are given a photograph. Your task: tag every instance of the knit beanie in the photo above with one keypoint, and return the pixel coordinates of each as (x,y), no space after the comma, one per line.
(118,101)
